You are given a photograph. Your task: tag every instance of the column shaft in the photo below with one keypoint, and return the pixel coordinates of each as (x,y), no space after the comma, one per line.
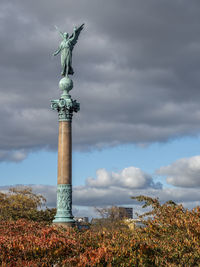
(65,153)
(64,215)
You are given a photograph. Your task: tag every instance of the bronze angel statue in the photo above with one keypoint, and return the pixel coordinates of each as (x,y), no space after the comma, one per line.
(66,48)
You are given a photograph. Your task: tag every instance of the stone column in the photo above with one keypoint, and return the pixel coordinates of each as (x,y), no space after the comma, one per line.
(65,107)
(64,153)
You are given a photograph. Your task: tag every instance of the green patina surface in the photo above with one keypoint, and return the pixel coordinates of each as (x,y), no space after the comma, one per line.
(65,108)
(65,105)
(66,48)
(64,204)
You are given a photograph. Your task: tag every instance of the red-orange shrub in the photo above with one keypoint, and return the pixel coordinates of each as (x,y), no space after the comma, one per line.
(171,238)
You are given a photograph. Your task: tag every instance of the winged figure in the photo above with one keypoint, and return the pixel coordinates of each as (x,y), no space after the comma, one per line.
(66,48)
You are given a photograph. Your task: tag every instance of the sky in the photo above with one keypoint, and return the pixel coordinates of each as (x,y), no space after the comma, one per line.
(137,79)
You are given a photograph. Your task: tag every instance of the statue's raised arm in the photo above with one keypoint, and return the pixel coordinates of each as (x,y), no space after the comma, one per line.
(61,33)
(65,48)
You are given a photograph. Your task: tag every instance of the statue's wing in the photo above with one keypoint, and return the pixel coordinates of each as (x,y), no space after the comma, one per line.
(74,37)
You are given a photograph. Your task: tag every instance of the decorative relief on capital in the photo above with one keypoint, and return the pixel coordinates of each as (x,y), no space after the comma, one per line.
(65,108)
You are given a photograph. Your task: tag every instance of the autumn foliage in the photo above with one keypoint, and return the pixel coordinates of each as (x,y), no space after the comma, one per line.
(22,203)
(171,237)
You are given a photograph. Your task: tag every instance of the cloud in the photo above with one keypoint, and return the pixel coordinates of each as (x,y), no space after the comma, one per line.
(14,156)
(136,72)
(130,177)
(86,198)
(183,172)
(117,188)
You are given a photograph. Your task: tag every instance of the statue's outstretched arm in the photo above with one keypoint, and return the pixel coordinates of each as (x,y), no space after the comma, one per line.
(57,51)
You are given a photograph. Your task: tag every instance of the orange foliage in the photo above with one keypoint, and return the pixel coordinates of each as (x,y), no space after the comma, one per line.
(171,238)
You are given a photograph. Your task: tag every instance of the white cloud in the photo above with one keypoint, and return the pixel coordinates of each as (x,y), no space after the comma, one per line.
(87,197)
(130,177)
(14,156)
(118,188)
(183,172)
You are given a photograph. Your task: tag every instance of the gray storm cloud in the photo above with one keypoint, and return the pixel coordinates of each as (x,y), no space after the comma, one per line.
(136,72)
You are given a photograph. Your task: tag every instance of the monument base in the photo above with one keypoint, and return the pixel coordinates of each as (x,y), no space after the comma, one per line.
(64,205)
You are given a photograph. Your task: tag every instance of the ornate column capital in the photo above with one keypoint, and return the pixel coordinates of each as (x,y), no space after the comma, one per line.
(65,108)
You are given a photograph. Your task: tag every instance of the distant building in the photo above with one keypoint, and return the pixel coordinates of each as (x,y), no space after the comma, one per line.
(82,223)
(81,219)
(126,212)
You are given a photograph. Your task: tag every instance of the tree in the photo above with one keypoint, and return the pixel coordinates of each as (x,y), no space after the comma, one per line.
(112,213)
(171,238)
(111,219)
(21,202)
(172,231)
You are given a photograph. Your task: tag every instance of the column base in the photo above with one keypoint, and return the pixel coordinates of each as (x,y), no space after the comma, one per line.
(64,224)
(63,220)
(64,205)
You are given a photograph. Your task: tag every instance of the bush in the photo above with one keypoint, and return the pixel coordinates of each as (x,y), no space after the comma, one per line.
(35,244)
(173,233)
(21,202)
(171,238)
